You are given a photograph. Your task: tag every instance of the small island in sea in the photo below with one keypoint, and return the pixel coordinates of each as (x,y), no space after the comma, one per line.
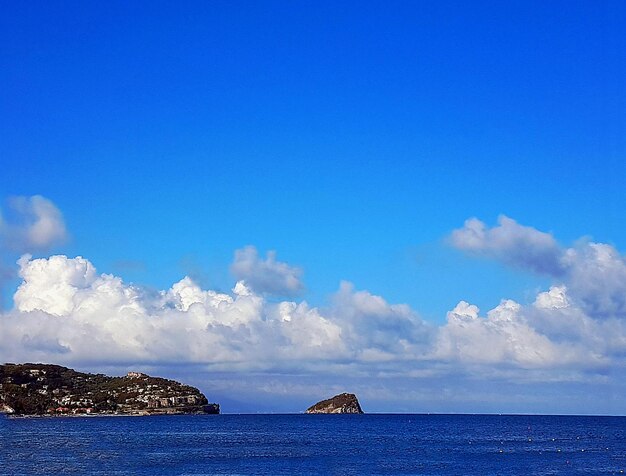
(342,403)
(52,390)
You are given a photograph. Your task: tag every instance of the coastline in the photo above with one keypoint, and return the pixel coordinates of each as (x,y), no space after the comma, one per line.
(211,409)
(97,415)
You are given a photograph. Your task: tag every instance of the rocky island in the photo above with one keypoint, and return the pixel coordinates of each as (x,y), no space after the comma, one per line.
(44,389)
(342,403)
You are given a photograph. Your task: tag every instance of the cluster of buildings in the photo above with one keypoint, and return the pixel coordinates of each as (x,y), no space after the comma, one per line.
(168,402)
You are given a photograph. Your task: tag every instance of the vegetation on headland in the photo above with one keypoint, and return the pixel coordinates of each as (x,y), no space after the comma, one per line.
(45,389)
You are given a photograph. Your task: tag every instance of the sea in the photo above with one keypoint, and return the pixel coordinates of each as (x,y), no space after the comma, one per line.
(370,444)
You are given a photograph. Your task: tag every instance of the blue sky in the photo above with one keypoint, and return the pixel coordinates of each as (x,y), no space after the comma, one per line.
(351,138)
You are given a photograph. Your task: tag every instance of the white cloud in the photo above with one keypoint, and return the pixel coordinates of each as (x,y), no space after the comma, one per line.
(376,329)
(505,336)
(31,224)
(51,285)
(63,307)
(512,243)
(593,273)
(579,323)
(266,275)
(596,278)
(554,298)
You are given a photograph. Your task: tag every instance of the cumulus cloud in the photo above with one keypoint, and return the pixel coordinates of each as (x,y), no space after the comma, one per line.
(78,315)
(505,336)
(266,275)
(31,224)
(593,273)
(512,243)
(377,329)
(579,323)
(596,278)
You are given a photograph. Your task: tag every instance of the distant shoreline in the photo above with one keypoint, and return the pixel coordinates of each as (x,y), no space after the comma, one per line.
(97,415)
(103,415)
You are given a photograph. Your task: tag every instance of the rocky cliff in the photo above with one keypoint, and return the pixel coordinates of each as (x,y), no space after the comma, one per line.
(42,389)
(342,403)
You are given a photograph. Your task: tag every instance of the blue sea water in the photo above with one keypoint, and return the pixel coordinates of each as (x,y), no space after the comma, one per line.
(314,445)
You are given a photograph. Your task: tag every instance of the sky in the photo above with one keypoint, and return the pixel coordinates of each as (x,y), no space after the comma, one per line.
(274,201)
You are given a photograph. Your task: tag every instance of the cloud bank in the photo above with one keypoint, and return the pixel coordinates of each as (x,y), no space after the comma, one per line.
(65,310)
